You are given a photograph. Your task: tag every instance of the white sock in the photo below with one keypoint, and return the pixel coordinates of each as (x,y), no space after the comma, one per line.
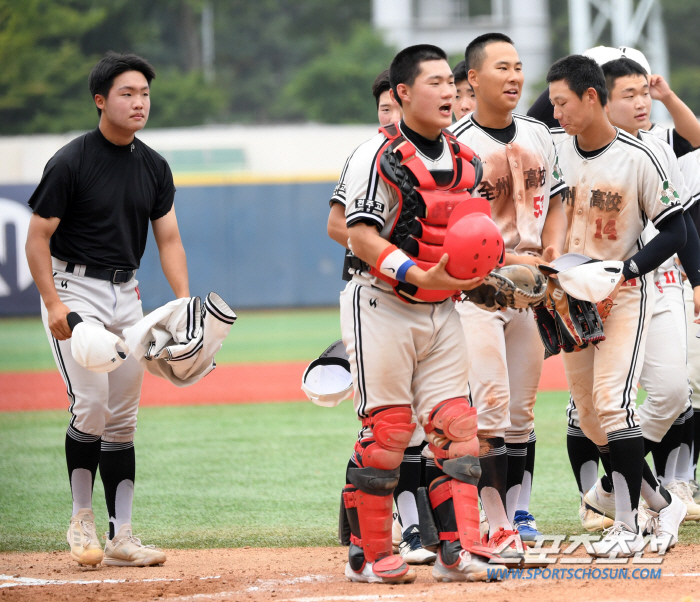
(525,491)
(512,496)
(122,505)
(81,487)
(407,508)
(682,463)
(495,512)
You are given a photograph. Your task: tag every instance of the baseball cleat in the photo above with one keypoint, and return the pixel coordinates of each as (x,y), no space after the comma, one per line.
(506,546)
(683,491)
(600,500)
(483,524)
(85,547)
(396,534)
(592,520)
(412,550)
(127,550)
(646,519)
(524,523)
(669,519)
(619,541)
(467,568)
(695,490)
(389,570)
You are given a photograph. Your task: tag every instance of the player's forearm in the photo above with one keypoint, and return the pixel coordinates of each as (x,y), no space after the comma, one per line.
(555,226)
(173,261)
(39,260)
(670,239)
(366,243)
(689,255)
(684,120)
(337,229)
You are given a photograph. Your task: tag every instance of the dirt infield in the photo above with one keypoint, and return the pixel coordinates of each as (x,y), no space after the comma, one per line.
(237,383)
(311,575)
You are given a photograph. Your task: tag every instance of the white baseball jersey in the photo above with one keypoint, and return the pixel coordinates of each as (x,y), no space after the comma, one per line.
(520,177)
(608,208)
(370,199)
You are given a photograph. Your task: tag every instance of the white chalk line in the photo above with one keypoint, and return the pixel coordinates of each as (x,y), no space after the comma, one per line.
(10,581)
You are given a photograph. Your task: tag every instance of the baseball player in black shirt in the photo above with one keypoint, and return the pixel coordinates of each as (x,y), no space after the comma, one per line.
(85,242)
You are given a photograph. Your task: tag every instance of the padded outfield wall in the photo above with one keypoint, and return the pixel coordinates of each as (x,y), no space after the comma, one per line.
(252,203)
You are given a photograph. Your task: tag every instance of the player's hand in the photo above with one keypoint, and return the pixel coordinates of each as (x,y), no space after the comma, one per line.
(659,88)
(437,278)
(549,255)
(58,325)
(696,303)
(684,276)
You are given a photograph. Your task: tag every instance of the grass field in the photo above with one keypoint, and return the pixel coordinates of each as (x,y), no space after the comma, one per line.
(229,475)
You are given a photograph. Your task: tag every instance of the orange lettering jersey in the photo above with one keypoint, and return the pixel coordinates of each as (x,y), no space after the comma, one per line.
(612,196)
(520,177)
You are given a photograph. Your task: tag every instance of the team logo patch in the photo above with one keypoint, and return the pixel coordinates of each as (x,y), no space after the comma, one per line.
(669,196)
(369,206)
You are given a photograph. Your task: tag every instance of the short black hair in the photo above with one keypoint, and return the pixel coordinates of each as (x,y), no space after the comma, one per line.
(406,64)
(624,67)
(460,72)
(475,53)
(114,64)
(381,84)
(580,73)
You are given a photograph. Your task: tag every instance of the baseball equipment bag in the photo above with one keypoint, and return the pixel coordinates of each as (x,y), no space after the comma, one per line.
(518,286)
(567,323)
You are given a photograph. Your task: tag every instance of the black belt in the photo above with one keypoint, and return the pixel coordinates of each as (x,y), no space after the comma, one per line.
(115,276)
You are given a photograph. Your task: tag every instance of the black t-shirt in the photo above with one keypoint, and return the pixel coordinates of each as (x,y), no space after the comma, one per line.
(504,135)
(104,195)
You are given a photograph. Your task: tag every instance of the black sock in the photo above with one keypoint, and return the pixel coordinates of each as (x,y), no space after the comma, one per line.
(409,481)
(606,479)
(583,457)
(665,452)
(626,458)
(118,464)
(494,470)
(696,443)
(686,448)
(649,447)
(82,452)
(517,458)
(653,492)
(432,472)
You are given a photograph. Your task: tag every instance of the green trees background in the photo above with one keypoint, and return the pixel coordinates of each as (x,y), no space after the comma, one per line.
(274,61)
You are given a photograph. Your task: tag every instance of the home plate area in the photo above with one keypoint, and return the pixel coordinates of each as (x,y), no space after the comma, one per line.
(315,575)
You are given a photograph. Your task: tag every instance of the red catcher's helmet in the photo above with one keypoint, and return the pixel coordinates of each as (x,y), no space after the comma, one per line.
(473,241)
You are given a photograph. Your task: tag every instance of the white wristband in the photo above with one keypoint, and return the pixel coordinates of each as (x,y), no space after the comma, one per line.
(394,263)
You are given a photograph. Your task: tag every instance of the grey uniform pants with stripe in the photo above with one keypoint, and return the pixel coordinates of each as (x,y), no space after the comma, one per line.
(103,405)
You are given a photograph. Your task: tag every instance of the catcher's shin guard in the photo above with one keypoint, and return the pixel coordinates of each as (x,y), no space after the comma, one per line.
(451,430)
(391,433)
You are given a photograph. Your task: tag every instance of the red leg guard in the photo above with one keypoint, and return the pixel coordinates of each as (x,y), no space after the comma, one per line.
(391,433)
(452,430)
(372,530)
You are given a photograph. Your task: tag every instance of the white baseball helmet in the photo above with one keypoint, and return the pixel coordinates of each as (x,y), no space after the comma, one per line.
(584,278)
(95,348)
(637,56)
(603,54)
(327,380)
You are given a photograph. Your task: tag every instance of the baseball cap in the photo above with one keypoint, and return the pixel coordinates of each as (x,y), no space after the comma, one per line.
(637,56)
(603,54)
(327,380)
(95,348)
(584,278)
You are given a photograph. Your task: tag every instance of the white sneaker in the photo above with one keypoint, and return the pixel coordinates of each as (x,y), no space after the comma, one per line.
(396,533)
(85,547)
(385,568)
(670,518)
(412,550)
(683,491)
(619,542)
(647,519)
(600,500)
(467,569)
(127,550)
(593,520)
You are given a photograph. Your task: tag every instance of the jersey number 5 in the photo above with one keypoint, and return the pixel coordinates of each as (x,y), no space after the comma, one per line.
(539,205)
(609,229)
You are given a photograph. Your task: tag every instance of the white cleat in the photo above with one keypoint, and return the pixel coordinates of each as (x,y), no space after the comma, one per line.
(619,542)
(483,525)
(389,570)
(669,519)
(600,500)
(683,491)
(85,547)
(695,490)
(127,550)
(412,550)
(467,569)
(593,520)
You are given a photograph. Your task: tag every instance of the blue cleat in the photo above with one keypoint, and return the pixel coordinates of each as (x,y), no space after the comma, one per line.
(524,523)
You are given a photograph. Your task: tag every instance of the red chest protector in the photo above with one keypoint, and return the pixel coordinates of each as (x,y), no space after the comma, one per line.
(424,207)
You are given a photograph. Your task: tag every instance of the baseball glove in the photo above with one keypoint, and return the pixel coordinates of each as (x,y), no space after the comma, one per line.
(604,308)
(519,286)
(567,323)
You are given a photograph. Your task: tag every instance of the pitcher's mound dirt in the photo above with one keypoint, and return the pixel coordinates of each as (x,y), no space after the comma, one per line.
(313,575)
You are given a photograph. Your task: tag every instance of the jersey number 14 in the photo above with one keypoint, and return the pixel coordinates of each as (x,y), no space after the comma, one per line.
(609,229)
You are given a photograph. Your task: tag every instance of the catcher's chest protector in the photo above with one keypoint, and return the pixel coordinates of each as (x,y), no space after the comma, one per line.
(424,207)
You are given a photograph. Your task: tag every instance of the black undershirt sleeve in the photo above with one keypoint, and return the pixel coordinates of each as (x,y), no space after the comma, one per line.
(689,255)
(543,110)
(670,239)
(680,145)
